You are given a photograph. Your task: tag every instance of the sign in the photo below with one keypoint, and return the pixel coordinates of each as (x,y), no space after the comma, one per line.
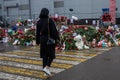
(113,11)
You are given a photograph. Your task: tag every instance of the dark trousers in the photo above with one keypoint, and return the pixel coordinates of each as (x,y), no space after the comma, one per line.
(47,61)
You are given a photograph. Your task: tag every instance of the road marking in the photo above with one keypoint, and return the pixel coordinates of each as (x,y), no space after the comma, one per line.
(35,62)
(24,72)
(27,63)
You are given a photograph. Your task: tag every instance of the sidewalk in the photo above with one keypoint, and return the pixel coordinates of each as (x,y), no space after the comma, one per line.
(5,47)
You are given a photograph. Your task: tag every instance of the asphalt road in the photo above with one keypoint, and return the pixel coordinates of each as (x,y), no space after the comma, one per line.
(103,67)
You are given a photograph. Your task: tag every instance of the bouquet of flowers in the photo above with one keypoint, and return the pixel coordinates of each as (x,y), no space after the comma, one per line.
(21,37)
(28,37)
(2,33)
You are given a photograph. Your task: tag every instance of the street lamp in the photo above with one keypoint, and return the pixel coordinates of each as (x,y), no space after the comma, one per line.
(2,9)
(71,20)
(29,1)
(71,10)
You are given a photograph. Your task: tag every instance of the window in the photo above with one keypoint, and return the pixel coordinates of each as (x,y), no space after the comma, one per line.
(58,4)
(8,0)
(24,7)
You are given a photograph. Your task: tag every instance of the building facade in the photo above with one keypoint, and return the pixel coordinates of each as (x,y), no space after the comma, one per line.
(31,8)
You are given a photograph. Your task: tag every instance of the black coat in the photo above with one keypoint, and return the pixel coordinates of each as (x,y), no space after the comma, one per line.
(42,37)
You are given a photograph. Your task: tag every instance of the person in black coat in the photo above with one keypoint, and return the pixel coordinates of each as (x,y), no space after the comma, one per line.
(47,52)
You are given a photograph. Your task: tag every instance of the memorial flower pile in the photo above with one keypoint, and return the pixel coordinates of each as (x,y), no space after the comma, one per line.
(72,37)
(23,37)
(88,37)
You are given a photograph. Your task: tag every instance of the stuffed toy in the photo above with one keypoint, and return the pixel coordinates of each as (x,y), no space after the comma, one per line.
(80,43)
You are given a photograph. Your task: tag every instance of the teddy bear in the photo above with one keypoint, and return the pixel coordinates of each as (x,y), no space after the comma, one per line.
(80,43)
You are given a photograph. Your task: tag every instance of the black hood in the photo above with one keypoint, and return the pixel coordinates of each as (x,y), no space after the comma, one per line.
(44,13)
